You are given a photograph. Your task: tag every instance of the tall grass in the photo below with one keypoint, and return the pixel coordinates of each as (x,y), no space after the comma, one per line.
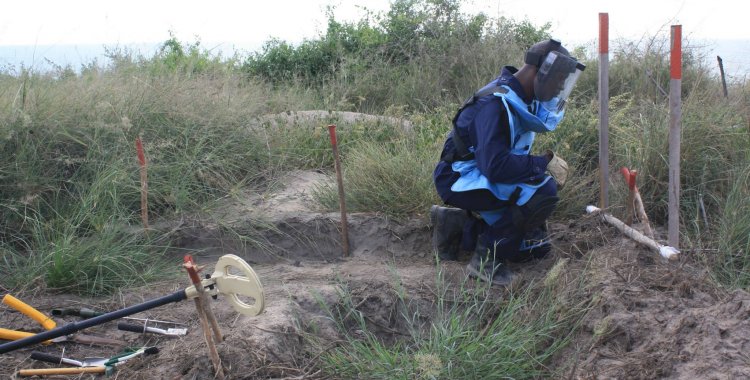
(731,262)
(471,333)
(84,248)
(393,179)
(69,196)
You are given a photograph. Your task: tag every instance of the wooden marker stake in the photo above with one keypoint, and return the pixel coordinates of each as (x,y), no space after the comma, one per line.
(206,316)
(144,181)
(342,197)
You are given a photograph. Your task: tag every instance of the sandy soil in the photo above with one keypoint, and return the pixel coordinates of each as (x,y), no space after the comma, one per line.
(650,319)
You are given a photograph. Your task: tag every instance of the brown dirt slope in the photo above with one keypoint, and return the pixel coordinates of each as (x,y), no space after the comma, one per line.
(657,320)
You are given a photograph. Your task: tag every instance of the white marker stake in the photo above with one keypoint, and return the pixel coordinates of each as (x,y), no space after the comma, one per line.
(667,252)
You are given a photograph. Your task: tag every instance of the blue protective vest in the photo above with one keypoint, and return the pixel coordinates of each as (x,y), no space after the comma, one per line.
(520,122)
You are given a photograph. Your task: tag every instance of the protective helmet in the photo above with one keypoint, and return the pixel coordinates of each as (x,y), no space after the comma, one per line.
(556,75)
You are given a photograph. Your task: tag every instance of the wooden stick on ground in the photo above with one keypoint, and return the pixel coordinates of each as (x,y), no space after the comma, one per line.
(641,212)
(669,253)
(60,371)
(635,203)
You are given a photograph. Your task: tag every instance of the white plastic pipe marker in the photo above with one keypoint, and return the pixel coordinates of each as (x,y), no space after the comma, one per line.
(667,252)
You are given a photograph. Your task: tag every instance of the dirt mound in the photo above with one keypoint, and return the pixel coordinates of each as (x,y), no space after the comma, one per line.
(649,319)
(656,320)
(283,226)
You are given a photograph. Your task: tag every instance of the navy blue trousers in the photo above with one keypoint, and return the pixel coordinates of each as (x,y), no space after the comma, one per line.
(503,238)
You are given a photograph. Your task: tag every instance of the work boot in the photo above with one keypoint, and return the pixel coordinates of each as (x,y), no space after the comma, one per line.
(484,266)
(535,244)
(447,226)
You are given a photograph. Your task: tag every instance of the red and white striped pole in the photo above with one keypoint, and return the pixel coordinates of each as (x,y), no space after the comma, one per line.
(675,116)
(603,110)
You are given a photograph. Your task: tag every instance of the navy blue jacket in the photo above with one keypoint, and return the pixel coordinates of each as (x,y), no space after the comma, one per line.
(484,125)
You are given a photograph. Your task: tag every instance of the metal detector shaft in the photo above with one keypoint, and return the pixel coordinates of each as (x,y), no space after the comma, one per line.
(77,326)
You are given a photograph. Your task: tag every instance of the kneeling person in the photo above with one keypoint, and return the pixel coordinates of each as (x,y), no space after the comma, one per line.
(502,193)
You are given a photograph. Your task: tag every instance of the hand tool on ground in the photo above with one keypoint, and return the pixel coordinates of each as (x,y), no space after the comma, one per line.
(77,338)
(97,361)
(107,366)
(206,317)
(48,324)
(156,320)
(144,328)
(86,362)
(79,312)
(122,358)
(230,285)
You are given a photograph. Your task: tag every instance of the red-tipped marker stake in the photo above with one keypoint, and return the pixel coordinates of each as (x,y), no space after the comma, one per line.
(144,181)
(342,198)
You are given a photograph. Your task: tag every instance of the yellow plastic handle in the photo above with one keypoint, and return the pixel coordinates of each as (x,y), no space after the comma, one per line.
(32,313)
(13,334)
(16,335)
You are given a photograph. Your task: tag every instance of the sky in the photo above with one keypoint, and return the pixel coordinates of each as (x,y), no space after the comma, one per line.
(228,25)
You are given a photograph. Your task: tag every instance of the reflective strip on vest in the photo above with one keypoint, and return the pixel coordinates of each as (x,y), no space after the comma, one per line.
(472,179)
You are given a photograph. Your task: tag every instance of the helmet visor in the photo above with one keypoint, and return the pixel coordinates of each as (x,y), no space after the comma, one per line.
(555,80)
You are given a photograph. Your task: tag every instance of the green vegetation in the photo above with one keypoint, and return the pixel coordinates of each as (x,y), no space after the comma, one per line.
(70,190)
(394,179)
(472,332)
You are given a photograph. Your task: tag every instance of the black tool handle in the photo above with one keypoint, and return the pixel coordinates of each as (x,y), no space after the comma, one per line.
(88,313)
(44,357)
(82,312)
(62,312)
(124,326)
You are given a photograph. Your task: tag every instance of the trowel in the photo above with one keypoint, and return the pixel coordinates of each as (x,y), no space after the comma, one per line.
(171,331)
(86,362)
